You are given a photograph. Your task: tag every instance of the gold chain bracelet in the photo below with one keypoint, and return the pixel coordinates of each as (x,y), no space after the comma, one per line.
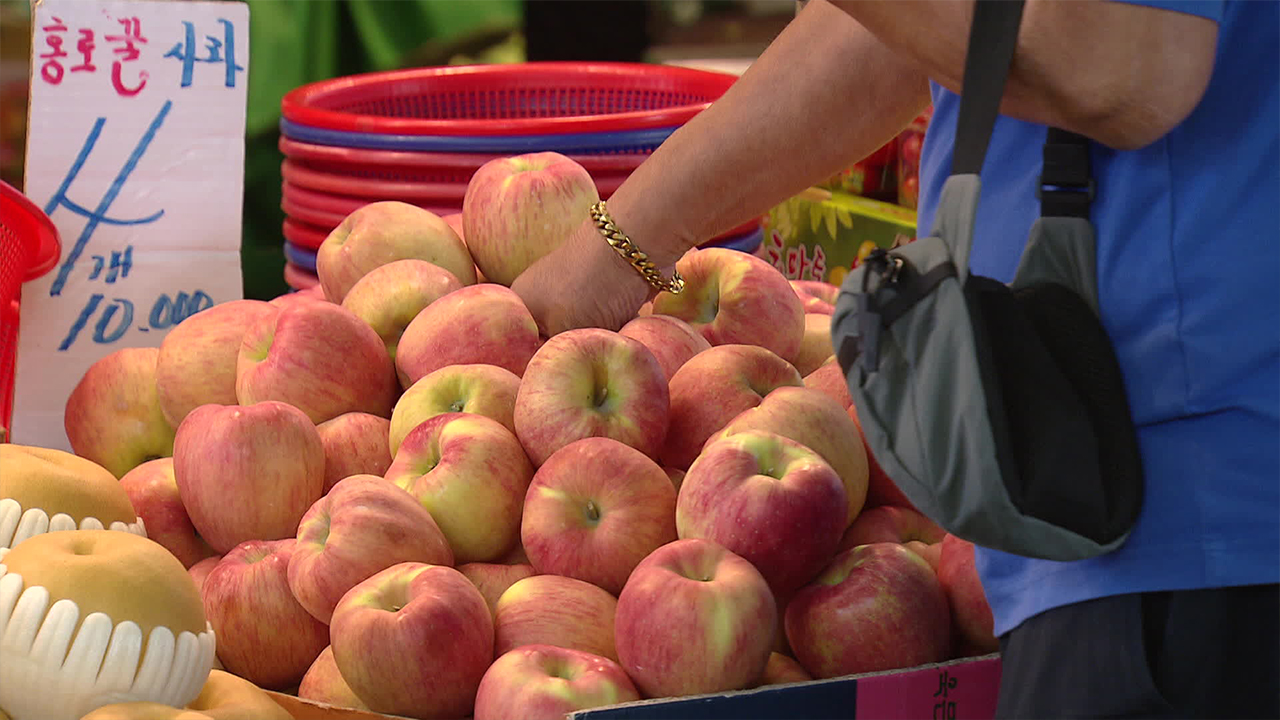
(619,241)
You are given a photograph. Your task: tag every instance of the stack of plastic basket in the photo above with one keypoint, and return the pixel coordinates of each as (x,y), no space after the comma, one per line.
(29,247)
(418,135)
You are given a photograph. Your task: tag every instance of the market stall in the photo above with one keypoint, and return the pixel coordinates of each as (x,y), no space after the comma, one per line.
(384,493)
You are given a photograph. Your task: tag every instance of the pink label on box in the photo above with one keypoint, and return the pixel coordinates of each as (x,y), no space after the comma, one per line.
(952,691)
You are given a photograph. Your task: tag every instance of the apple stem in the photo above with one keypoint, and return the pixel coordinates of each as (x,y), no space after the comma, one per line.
(593,511)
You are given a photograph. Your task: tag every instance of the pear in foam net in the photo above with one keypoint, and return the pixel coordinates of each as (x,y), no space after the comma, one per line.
(94,617)
(44,490)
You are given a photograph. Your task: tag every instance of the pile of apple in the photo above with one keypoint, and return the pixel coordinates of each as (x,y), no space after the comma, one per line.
(394,494)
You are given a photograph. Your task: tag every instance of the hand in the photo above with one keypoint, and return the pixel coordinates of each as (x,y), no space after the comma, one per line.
(582,283)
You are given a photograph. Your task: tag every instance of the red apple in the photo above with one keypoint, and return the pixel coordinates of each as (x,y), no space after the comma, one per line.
(881,489)
(199,572)
(889,523)
(414,640)
(970,613)
(813,420)
(671,340)
(264,635)
(789,498)
(318,357)
(381,233)
(594,510)
(154,495)
(931,552)
(829,379)
(471,474)
(247,473)
(555,610)
(734,298)
(517,209)
(324,683)
(591,383)
(486,390)
(816,295)
(493,579)
(694,618)
(676,475)
(197,362)
(782,669)
(355,443)
(113,415)
(816,347)
(363,525)
(713,388)
(876,607)
(390,296)
(486,324)
(545,682)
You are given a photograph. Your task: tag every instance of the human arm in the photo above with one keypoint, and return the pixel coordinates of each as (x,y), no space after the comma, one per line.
(1121,74)
(825,93)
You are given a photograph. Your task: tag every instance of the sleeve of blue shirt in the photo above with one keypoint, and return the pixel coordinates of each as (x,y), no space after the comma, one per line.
(1208,9)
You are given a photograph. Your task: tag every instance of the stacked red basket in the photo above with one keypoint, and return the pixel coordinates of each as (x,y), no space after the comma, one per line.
(418,135)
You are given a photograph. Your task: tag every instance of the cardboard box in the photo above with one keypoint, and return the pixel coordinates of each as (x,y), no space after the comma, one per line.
(956,690)
(821,235)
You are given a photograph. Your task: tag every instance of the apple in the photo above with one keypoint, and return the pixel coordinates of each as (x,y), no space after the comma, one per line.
(493,579)
(454,220)
(264,635)
(676,475)
(876,607)
(516,556)
(816,296)
(881,489)
(199,572)
(320,358)
(595,509)
(471,474)
(154,495)
(782,669)
(381,233)
(247,472)
(545,682)
(591,383)
(555,610)
(414,640)
(197,362)
(113,415)
(815,421)
(671,340)
(815,348)
(363,525)
(829,379)
(713,388)
(889,523)
(324,683)
(733,298)
(315,292)
(971,616)
(478,324)
(931,552)
(390,296)
(486,390)
(517,209)
(694,618)
(768,499)
(355,443)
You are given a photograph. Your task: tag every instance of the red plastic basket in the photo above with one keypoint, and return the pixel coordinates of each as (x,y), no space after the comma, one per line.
(513,99)
(317,201)
(29,247)
(298,278)
(461,165)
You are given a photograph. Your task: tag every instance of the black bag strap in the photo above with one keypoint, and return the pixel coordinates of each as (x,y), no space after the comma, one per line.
(1066,184)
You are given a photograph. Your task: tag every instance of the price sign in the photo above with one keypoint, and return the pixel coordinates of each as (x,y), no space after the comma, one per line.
(135,149)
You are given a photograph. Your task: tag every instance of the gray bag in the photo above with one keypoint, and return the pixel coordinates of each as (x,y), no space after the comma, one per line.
(999,411)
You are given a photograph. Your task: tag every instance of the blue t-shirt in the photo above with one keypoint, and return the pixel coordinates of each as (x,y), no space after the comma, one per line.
(1188,251)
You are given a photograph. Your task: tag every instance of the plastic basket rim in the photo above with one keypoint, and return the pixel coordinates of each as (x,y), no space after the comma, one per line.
(365,157)
(296,105)
(300,255)
(621,142)
(299,278)
(47,243)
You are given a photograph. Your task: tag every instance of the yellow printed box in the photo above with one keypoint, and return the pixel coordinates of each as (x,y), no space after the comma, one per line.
(821,235)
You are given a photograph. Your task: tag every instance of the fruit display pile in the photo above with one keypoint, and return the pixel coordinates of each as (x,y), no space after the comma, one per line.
(392,493)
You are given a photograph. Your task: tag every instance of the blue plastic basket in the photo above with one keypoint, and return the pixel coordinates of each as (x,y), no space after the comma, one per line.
(597,143)
(300,256)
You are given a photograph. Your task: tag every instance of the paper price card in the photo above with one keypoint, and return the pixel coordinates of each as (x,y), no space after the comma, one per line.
(135,149)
